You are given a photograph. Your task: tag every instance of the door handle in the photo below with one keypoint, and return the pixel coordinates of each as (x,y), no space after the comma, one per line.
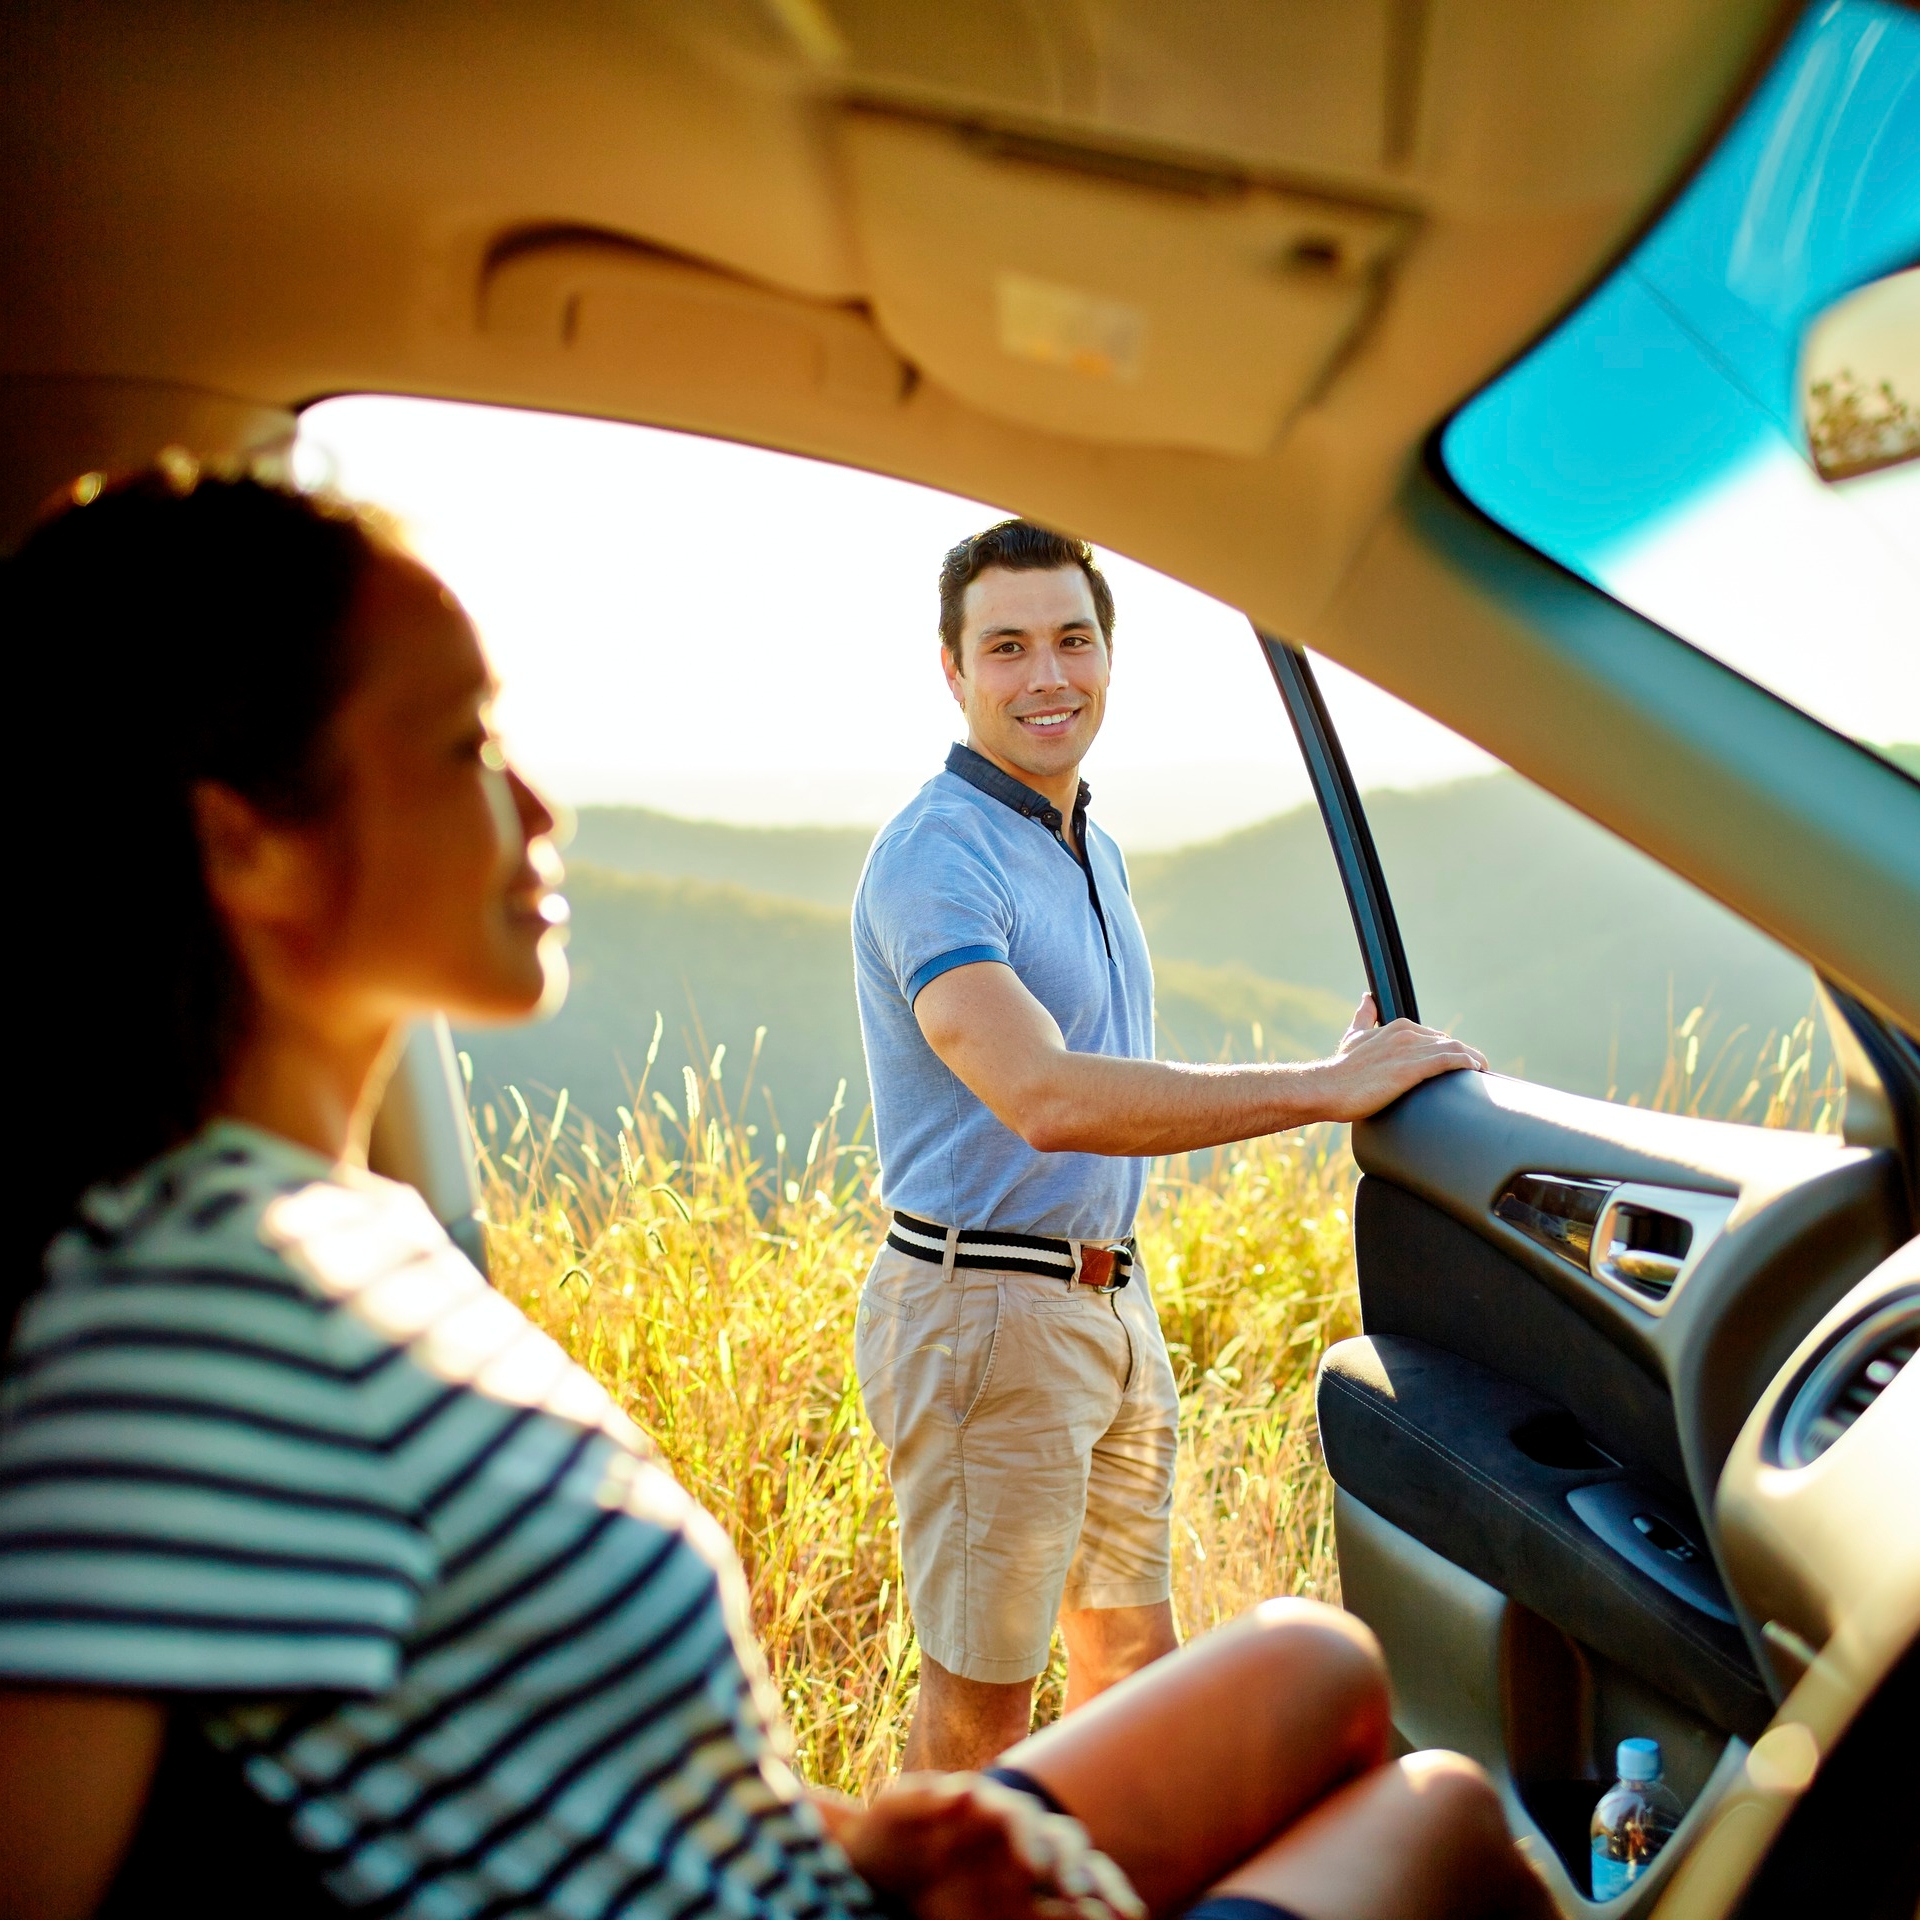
(1656,1272)
(1648,1239)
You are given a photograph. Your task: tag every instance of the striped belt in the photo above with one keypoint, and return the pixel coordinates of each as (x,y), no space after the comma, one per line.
(1081,1263)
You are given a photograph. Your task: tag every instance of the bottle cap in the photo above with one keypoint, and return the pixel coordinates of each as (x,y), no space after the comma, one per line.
(1638,1759)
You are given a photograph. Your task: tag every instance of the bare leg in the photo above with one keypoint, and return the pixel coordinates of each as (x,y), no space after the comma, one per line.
(959,1724)
(1106,1644)
(1421,1838)
(1191,1766)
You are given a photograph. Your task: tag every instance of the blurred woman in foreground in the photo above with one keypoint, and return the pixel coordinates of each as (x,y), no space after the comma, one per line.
(277,1468)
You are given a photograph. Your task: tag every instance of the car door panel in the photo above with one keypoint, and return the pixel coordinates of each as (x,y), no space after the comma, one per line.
(1573,1314)
(1526,1454)
(1436,1445)
(1472,1669)
(1812,1216)
(1427,1276)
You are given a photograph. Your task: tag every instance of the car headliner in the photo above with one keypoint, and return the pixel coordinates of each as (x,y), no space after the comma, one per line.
(1198,283)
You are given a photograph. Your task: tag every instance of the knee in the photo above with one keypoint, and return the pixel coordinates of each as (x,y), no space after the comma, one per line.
(1345,1634)
(1303,1643)
(1453,1795)
(1337,1643)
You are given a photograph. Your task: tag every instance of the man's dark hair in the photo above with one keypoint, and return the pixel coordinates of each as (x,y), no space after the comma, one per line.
(1020,547)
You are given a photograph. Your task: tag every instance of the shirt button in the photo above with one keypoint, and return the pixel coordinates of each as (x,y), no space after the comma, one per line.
(1052,817)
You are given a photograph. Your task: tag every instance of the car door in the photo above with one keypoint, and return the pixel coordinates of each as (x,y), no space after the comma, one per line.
(1570,1308)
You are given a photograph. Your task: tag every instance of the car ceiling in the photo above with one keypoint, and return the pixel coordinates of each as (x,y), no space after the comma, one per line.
(1196,282)
(1324,222)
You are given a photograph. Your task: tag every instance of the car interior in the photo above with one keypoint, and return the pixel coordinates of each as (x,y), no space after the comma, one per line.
(1630,1442)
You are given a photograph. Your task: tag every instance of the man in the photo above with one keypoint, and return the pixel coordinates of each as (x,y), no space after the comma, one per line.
(1008,1350)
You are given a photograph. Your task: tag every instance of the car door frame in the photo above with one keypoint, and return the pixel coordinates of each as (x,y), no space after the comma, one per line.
(1383,955)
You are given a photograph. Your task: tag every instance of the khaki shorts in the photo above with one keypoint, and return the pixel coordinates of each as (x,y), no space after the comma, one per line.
(1031,1428)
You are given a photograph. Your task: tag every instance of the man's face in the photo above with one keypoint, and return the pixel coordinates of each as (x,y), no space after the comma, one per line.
(1033,682)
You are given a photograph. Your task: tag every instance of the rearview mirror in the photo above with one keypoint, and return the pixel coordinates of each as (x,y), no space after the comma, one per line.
(1860,379)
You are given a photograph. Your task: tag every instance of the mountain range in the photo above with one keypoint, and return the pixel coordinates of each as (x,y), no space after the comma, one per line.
(1558,950)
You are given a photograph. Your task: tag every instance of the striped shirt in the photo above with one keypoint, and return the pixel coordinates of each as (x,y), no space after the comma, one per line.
(267,1440)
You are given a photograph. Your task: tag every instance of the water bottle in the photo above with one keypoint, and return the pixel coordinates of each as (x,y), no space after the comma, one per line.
(1634,1820)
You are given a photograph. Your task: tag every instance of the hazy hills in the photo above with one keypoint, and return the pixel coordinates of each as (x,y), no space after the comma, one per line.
(1550,944)
(817,864)
(716,961)
(1537,935)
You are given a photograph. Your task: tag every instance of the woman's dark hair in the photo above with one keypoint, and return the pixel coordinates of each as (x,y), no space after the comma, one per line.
(1020,547)
(162,630)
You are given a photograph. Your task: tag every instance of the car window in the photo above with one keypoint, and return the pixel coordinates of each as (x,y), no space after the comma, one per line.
(1653,441)
(1567,956)
(725,661)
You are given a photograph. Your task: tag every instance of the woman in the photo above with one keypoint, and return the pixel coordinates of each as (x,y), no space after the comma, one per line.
(276,1460)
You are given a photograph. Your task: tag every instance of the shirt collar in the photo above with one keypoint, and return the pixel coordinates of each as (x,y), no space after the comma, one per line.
(978,771)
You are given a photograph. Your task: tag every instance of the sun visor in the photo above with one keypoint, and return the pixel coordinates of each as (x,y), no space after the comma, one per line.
(1105,297)
(648,327)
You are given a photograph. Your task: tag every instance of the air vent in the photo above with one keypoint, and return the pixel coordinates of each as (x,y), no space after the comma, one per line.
(1857,1370)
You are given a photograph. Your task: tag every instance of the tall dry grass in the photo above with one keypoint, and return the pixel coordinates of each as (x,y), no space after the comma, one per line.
(707,1269)
(1790,1079)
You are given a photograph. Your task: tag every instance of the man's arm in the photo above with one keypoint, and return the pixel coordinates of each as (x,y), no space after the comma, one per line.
(1008,1049)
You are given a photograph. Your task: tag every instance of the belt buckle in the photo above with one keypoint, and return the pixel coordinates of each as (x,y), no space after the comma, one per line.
(1096,1269)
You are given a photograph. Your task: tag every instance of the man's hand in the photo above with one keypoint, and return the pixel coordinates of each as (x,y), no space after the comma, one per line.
(1376,1064)
(958,1846)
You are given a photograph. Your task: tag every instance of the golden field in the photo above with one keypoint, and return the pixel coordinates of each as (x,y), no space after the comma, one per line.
(708,1269)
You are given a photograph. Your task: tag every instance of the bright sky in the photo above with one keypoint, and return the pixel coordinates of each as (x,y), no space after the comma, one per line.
(1811,589)
(740,635)
(733,634)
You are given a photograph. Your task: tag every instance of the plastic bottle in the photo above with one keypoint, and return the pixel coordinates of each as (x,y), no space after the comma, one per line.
(1634,1820)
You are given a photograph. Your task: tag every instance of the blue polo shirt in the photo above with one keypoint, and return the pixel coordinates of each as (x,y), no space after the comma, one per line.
(973,868)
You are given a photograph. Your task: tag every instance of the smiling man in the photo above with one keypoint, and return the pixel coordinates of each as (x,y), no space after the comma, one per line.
(1007,1346)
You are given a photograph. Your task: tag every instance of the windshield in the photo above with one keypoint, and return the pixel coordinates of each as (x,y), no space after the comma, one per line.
(1652,442)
